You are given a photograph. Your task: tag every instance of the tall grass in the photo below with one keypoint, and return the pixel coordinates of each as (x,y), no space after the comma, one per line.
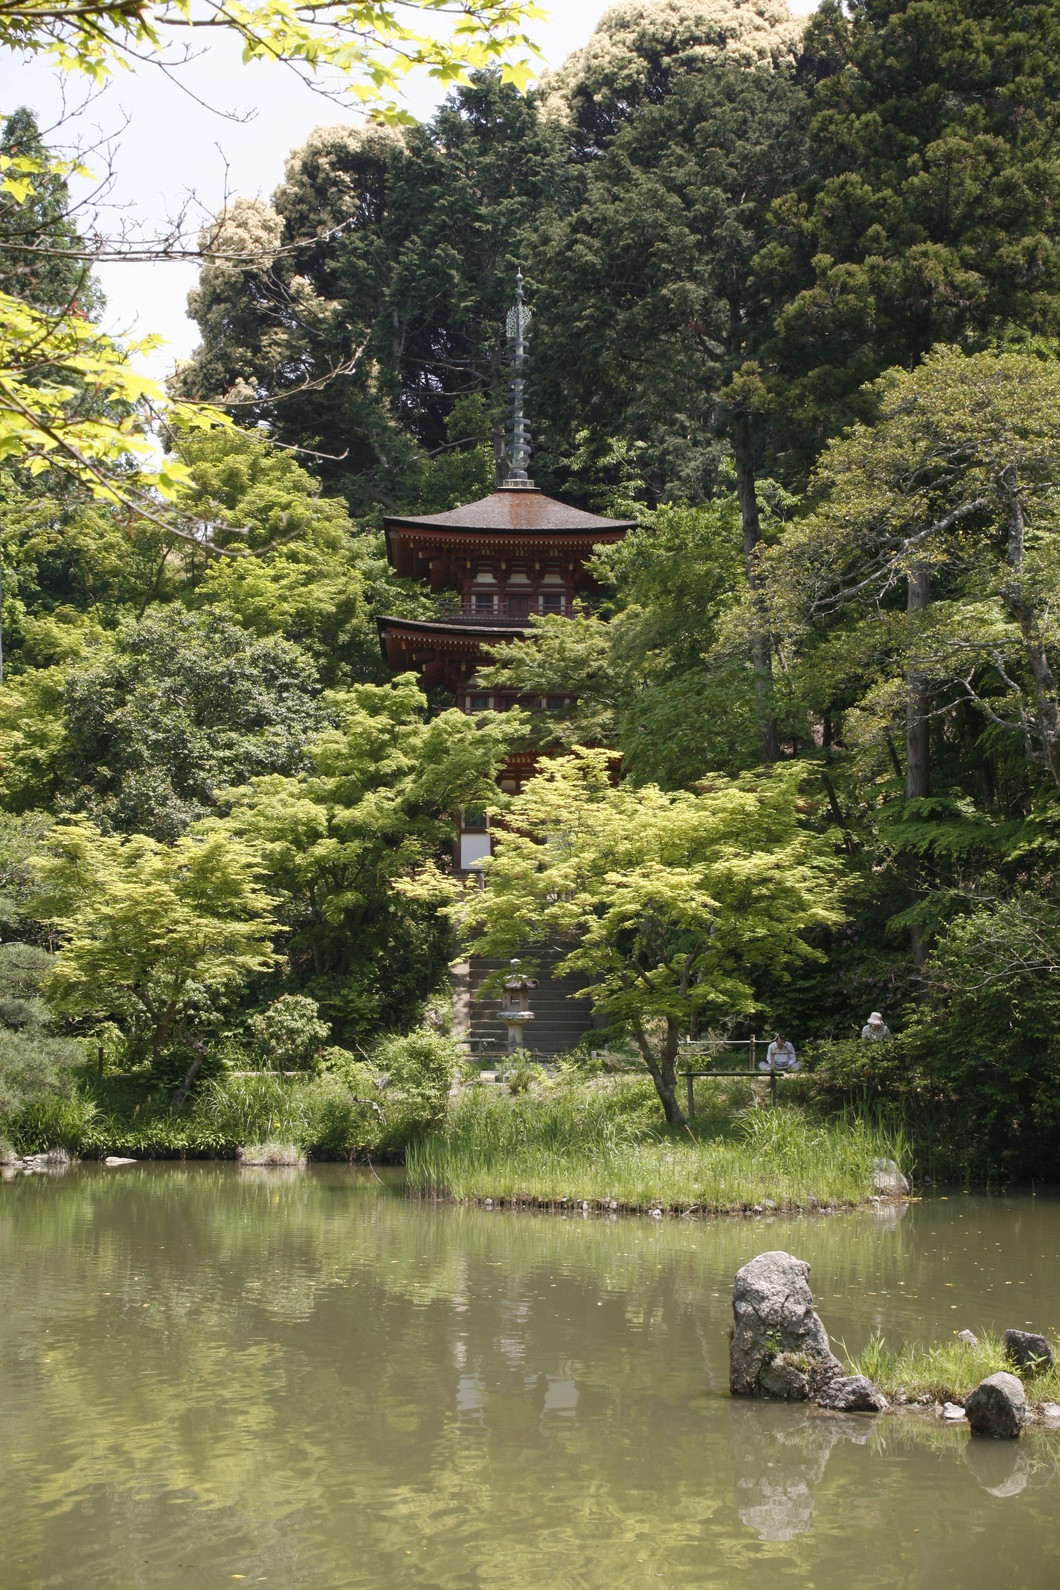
(604,1145)
(945,1371)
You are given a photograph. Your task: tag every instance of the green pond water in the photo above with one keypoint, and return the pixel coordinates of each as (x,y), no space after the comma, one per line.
(210,1375)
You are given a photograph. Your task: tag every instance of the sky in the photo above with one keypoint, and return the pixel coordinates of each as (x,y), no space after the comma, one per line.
(171,140)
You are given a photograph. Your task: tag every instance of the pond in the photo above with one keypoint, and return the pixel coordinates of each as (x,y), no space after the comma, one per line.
(210,1375)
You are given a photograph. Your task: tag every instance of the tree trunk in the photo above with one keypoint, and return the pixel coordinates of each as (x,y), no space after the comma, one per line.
(663,1069)
(1046,695)
(761,649)
(917,743)
(189,1077)
(917,721)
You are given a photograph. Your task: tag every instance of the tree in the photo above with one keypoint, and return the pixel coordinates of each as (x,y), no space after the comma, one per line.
(388,261)
(955,480)
(315,570)
(380,799)
(468,188)
(640,49)
(665,903)
(153,936)
(657,678)
(41,255)
(661,259)
(181,708)
(289,1032)
(929,213)
(70,399)
(365,39)
(288,300)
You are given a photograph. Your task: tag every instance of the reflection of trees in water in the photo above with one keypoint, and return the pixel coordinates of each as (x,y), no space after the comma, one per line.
(779,1456)
(326,1375)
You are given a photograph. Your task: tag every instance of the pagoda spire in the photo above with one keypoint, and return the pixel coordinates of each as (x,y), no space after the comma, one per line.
(517,478)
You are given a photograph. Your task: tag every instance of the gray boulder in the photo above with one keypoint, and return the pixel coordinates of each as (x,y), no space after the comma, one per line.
(849,1394)
(969,1338)
(1029,1350)
(779,1346)
(997,1407)
(888,1180)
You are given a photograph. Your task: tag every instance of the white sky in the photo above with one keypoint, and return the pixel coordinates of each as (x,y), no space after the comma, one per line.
(173,144)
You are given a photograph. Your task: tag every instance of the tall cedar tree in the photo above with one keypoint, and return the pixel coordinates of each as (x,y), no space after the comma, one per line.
(660,261)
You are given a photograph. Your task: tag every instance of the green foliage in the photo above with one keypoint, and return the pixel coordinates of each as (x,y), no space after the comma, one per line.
(990,1023)
(602,1143)
(156,937)
(183,707)
(289,1033)
(339,841)
(36,1065)
(945,1371)
(659,256)
(419,1068)
(929,216)
(307,582)
(39,259)
(666,903)
(639,50)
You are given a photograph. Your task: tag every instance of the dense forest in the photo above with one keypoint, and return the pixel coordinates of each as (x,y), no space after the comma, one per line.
(796,301)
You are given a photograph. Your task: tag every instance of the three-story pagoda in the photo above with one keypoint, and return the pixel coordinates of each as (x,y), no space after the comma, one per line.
(514,553)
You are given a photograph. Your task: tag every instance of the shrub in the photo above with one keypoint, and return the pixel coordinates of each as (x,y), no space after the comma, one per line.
(419,1068)
(35,1065)
(289,1032)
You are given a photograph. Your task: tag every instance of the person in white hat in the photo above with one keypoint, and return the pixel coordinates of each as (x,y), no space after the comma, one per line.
(875,1027)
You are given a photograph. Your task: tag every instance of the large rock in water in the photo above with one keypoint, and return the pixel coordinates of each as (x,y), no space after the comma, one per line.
(1029,1350)
(779,1346)
(997,1407)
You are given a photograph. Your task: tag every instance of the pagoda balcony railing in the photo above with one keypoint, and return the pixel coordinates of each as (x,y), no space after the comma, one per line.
(510,612)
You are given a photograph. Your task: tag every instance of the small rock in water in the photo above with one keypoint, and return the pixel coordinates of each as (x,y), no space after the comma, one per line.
(888,1179)
(997,1407)
(1029,1350)
(850,1394)
(969,1338)
(1051,1413)
(953,1410)
(116,1159)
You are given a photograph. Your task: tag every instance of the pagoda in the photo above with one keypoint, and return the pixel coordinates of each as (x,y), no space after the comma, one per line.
(514,553)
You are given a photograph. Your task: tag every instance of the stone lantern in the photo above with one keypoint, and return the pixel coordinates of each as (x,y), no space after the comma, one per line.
(515,1005)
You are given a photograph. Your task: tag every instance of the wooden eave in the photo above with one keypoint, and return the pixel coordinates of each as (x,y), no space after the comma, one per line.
(407,547)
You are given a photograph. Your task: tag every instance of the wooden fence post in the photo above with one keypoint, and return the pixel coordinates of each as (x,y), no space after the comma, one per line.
(691,1093)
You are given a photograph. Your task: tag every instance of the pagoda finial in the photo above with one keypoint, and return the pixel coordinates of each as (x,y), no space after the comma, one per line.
(518,424)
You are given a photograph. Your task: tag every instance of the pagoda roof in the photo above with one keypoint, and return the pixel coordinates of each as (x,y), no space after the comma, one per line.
(449,632)
(513,508)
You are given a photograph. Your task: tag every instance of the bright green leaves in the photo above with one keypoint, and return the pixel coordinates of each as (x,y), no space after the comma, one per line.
(666,902)
(157,934)
(370,42)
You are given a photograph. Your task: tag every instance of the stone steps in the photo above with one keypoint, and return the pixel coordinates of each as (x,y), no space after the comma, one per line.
(559,1020)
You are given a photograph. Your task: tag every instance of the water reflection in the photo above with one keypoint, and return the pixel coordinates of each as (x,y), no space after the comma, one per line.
(1001,1467)
(305,1380)
(779,1457)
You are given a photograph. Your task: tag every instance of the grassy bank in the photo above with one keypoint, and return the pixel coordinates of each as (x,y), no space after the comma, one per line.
(600,1141)
(604,1144)
(946,1371)
(132,1116)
